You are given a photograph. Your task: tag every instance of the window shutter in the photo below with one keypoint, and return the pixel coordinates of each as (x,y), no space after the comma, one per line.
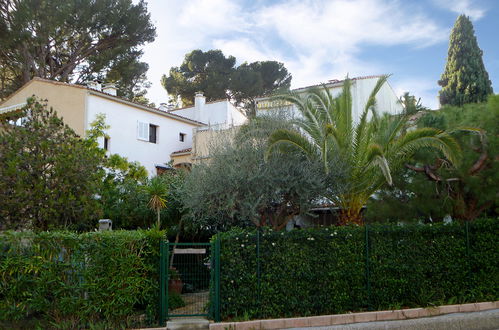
(142,131)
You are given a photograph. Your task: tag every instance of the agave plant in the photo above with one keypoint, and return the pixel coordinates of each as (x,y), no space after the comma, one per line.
(370,148)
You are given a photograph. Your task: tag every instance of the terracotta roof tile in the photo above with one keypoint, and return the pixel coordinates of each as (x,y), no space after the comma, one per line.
(182,151)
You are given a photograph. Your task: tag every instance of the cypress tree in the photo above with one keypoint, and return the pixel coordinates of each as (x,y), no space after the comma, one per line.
(465,79)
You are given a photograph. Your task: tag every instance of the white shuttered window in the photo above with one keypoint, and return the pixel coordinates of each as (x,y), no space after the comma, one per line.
(142,131)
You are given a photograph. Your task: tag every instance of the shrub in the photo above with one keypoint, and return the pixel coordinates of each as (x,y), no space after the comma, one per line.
(324,271)
(78,279)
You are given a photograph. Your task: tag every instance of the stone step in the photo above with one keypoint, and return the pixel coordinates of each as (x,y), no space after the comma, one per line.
(188,323)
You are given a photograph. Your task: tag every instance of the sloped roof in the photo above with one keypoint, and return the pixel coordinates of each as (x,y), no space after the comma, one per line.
(114,98)
(183,151)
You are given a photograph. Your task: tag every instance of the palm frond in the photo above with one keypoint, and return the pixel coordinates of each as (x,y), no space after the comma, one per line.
(376,157)
(283,138)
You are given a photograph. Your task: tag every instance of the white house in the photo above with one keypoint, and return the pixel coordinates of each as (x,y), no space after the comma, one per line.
(137,132)
(386,99)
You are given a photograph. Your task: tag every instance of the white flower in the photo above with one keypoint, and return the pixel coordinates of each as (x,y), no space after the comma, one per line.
(273,244)
(242,245)
(311,239)
(231,281)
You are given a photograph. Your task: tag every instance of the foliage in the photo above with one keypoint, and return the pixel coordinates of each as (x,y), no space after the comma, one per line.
(411,104)
(236,186)
(465,79)
(433,189)
(370,149)
(257,79)
(79,279)
(216,75)
(156,191)
(208,72)
(125,199)
(323,271)
(76,40)
(49,176)
(129,75)
(175,300)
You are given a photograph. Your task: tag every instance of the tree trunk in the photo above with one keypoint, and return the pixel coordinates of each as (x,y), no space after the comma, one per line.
(177,238)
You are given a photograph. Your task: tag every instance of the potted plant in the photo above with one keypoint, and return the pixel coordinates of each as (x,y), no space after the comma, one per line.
(174,282)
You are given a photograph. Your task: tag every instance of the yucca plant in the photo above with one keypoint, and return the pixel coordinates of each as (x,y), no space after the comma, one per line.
(370,148)
(157,190)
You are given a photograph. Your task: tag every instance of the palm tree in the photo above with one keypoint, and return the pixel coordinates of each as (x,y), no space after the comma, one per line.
(370,149)
(157,190)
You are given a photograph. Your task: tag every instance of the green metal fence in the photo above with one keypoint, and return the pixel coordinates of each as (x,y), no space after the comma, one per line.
(191,271)
(369,257)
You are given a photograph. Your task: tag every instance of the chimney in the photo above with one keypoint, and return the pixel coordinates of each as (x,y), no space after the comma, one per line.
(94,84)
(110,88)
(199,101)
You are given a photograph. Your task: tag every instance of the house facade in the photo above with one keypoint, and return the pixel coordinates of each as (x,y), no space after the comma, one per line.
(361,88)
(137,132)
(153,137)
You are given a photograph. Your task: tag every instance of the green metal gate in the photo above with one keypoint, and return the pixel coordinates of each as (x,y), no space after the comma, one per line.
(191,270)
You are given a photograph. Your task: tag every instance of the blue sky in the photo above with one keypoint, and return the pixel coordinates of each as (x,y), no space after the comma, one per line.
(322,40)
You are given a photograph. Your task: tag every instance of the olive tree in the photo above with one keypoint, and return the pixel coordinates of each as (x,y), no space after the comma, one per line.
(238,186)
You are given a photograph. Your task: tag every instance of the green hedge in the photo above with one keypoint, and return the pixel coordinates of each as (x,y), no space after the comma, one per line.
(75,280)
(327,271)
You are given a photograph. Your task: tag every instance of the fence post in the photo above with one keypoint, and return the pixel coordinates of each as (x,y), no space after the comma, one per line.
(166,266)
(467,240)
(367,270)
(258,271)
(468,257)
(217,279)
(161,282)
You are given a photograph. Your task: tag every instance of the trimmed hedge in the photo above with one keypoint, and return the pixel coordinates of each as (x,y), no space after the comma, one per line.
(76,280)
(326,271)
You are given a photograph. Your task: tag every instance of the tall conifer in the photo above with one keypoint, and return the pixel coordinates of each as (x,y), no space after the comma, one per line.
(465,79)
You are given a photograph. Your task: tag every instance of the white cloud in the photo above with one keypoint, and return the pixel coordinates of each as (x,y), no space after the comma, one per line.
(467,7)
(316,40)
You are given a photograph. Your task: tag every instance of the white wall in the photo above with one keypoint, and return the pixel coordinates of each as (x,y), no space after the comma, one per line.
(222,112)
(386,99)
(123,119)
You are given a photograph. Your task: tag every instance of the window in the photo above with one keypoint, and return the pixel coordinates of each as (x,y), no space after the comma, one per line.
(106,143)
(147,132)
(153,130)
(181,137)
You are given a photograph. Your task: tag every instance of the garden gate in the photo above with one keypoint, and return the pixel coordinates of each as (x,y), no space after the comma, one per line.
(191,272)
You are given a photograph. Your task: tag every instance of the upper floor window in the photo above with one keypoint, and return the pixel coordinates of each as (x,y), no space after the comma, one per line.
(181,137)
(147,132)
(106,143)
(153,133)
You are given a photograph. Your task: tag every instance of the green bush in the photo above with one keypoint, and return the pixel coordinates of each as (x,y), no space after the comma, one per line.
(324,271)
(79,279)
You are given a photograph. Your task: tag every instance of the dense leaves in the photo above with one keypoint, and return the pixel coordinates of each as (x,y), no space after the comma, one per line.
(217,77)
(323,271)
(236,186)
(77,280)
(49,176)
(431,189)
(465,79)
(73,40)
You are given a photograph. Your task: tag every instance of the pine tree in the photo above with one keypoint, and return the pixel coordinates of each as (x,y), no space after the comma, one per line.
(465,79)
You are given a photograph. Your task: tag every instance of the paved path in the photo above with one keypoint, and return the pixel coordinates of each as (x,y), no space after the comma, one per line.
(486,320)
(195,303)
